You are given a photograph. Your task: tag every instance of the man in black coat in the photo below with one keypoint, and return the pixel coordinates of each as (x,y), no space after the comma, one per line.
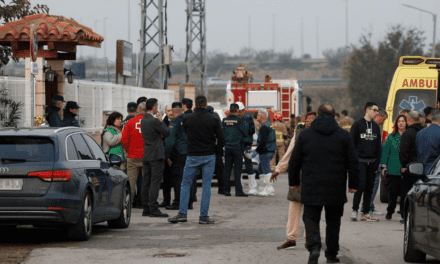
(152,129)
(324,152)
(408,154)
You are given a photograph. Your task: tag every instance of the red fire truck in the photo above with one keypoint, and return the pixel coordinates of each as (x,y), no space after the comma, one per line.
(280,95)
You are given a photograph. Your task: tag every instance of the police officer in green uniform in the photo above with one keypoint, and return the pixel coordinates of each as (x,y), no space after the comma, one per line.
(235,131)
(53,116)
(70,112)
(176,150)
(266,146)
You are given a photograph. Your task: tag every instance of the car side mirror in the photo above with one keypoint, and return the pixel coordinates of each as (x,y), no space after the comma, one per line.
(115,160)
(417,169)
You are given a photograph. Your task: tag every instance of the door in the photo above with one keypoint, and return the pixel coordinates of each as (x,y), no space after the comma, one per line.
(434,214)
(421,196)
(51,89)
(96,175)
(112,198)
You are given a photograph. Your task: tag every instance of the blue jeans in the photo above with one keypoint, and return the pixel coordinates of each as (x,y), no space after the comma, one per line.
(192,166)
(264,167)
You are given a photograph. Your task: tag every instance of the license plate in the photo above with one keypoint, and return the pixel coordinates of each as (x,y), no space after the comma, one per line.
(11,184)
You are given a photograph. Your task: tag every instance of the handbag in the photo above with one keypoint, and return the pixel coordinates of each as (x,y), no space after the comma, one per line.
(294,195)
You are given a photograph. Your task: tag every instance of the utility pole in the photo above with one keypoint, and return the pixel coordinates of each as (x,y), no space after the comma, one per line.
(129,20)
(346,23)
(96,31)
(302,37)
(105,38)
(152,69)
(317,37)
(249,33)
(273,36)
(434,17)
(196,37)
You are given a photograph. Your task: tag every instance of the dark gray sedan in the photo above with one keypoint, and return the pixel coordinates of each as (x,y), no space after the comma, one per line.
(60,177)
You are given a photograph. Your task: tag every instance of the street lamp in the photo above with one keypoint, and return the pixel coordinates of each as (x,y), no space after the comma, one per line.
(50,74)
(70,75)
(434,16)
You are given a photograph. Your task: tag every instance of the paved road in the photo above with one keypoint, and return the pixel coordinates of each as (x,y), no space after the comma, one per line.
(247,230)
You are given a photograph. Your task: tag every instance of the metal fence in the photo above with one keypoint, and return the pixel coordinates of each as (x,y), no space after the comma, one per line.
(94,98)
(18,90)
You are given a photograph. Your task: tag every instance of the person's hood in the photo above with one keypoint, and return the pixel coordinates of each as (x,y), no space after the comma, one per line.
(416,126)
(324,125)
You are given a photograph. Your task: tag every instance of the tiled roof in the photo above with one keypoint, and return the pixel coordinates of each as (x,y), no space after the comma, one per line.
(50,28)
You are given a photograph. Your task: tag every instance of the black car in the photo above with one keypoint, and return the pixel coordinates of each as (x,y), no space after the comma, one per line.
(422,214)
(60,177)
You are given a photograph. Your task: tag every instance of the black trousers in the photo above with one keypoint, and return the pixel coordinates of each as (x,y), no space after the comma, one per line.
(407,184)
(153,173)
(367,175)
(177,168)
(394,187)
(233,157)
(167,183)
(312,217)
(219,171)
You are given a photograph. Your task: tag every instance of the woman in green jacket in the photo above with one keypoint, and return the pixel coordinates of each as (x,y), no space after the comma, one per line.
(391,164)
(111,137)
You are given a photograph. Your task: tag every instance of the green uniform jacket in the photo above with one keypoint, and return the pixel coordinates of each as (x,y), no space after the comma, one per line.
(177,140)
(234,129)
(69,120)
(266,139)
(250,128)
(390,154)
(54,118)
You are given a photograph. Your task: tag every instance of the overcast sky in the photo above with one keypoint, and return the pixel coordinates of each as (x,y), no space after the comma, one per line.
(228,22)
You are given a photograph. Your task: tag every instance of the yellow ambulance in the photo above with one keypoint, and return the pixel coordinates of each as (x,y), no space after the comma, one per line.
(414,87)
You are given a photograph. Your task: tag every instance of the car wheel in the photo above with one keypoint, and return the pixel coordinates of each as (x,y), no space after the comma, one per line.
(82,230)
(124,218)
(383,192)
(410,253)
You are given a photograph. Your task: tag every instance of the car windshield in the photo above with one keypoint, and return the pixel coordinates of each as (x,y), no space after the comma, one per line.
(26,149)
(413,99)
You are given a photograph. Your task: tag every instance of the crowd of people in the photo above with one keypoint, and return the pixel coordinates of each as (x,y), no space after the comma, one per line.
(320,150)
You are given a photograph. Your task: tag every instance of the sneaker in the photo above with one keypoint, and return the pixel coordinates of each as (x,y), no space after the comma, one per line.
(376,212)
(388,216)
(354,215)
(178,218)
(368,218)
(205,220)
(288,244)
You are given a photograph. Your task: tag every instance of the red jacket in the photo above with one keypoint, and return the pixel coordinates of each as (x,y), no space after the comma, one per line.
(132,138)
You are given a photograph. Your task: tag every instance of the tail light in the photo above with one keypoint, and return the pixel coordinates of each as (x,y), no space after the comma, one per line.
(57,208)
(52,176)
(384,136)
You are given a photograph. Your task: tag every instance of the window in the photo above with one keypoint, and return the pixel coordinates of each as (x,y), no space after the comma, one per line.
(435,169)
(81,147)
(96,149)
(71,150)
(26,149)
(413,99)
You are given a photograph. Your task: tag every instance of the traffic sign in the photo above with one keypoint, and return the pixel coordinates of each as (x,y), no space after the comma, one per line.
(34,43)
(34,68)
